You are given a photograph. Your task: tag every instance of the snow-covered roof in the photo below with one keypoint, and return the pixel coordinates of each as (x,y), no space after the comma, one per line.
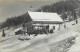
(45,17)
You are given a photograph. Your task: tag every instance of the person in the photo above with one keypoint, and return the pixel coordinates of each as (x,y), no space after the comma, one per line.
(51,31)
(76,21)
(47,28)
(64,26)
(3,33)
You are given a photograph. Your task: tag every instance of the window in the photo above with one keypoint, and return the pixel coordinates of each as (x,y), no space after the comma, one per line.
(54,27)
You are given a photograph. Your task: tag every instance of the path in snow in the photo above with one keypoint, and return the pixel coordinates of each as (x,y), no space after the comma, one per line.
(39,41)
(76,46)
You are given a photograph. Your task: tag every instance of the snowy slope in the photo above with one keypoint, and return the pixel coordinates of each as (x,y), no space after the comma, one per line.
(40,42)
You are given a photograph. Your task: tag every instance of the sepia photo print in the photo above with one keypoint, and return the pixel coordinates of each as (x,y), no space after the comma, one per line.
(39,25)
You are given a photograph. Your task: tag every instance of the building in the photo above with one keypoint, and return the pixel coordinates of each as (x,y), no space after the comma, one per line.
(41,20)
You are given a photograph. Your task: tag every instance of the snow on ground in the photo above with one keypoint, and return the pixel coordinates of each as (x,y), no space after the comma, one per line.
(40,41)
(76,46)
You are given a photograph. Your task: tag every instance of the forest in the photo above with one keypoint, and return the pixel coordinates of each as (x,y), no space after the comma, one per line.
(59,7)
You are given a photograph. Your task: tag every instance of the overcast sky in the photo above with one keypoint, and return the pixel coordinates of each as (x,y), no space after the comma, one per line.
(11,8)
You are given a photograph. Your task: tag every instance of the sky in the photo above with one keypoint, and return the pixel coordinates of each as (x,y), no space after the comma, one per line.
(12,8)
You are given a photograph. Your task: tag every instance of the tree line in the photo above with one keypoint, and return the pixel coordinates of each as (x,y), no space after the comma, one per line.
(59,7)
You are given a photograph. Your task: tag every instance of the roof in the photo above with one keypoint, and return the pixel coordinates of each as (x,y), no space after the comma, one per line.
(45,17)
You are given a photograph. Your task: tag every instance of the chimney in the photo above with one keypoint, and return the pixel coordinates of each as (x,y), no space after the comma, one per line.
(31,8)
